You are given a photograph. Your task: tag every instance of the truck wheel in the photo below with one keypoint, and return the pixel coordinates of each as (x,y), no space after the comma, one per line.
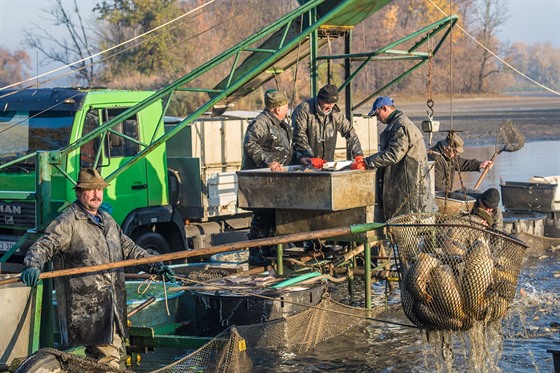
(153,242)
(41,362)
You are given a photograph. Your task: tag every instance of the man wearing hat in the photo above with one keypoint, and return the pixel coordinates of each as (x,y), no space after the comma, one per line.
(445,154)
(267,144)
(488,202)
(92,306)
(316,122)
(402,164)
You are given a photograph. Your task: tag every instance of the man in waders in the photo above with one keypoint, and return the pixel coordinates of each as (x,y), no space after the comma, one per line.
(92,306)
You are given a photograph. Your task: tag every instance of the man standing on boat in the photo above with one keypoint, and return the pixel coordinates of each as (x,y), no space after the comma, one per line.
(267,144)
(316,122)
(402,163)
(445,154)
(91,307)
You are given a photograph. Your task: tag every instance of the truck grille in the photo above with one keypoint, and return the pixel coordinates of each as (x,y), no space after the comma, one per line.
(17,214)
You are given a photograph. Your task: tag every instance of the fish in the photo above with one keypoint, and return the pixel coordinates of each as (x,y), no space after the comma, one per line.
(418,275)
(477,276)
(446,298)
(504,283)
(433,320)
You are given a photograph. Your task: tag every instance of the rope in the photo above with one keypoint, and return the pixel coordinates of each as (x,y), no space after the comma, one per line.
(496,56)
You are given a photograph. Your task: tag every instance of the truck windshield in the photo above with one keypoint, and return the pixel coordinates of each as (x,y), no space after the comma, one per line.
(23,132)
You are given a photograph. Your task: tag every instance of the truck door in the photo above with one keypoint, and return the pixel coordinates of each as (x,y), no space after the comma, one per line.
(129,190)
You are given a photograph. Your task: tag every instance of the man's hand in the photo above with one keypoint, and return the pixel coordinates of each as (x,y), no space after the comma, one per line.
(165,272)
(305,161)
(318,163)
(30,276)
(487,164)
(275,166)
(359,163)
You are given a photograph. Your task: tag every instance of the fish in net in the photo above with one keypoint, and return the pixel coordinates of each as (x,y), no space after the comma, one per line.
(454,271)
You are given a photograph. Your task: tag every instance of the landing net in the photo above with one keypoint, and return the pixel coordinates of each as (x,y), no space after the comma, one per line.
(454,271)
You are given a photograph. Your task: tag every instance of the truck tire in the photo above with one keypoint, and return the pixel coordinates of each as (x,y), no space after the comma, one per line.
(41,362)
(153,242)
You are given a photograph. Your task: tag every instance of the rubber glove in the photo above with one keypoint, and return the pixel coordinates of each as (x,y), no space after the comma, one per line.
(359,163)
(318,162)
(30,276)
(164,271)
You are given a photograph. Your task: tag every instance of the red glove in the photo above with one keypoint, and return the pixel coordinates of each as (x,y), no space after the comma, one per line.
(358,163)
(318,162)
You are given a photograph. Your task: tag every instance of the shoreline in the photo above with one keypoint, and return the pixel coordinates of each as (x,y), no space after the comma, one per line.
(478,119)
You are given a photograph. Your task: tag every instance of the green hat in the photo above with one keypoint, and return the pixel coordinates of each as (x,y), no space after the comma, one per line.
(274,99)
(454,141)
(89,178)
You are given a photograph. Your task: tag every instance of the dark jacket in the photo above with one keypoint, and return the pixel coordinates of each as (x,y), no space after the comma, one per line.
(90,304)
(403,175)
(267,139)
(315,134)
(444,168)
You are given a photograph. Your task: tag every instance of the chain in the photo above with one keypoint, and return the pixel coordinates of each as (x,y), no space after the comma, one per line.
(429,102)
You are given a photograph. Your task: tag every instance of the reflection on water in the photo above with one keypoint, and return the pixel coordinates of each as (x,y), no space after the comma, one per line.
(540,158)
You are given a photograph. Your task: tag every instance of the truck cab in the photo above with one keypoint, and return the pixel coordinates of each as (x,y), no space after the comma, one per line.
(58,121)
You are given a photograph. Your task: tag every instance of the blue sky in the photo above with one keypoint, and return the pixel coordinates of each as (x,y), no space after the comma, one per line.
(530,21)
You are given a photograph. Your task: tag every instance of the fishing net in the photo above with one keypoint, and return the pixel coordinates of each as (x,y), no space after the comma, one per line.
(509,139)
(454,271)
(239,348)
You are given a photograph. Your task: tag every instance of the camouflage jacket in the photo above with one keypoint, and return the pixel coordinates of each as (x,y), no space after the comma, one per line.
(403,175)
(444,168)
(267,139)
(315,134)
(90,304)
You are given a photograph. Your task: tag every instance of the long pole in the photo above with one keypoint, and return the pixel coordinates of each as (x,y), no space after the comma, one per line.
(323,233)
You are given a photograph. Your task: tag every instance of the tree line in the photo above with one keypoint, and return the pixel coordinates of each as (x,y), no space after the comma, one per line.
(206,29)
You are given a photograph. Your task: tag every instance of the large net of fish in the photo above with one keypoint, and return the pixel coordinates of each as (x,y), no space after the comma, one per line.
(454,271)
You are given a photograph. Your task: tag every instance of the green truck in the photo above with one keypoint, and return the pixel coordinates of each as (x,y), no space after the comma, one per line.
(165,200)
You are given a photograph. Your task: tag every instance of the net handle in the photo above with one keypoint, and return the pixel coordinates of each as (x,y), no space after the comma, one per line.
(486,169)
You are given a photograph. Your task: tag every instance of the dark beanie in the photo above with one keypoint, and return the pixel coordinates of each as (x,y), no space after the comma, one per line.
(490,198)
(328,94)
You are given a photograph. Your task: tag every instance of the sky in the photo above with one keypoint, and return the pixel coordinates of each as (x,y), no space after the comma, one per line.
(530,21)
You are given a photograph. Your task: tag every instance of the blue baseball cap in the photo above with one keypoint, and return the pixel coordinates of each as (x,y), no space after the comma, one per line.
(379,102)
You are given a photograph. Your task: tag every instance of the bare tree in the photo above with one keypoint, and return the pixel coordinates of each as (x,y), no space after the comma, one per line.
(77,47)
(491,14)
